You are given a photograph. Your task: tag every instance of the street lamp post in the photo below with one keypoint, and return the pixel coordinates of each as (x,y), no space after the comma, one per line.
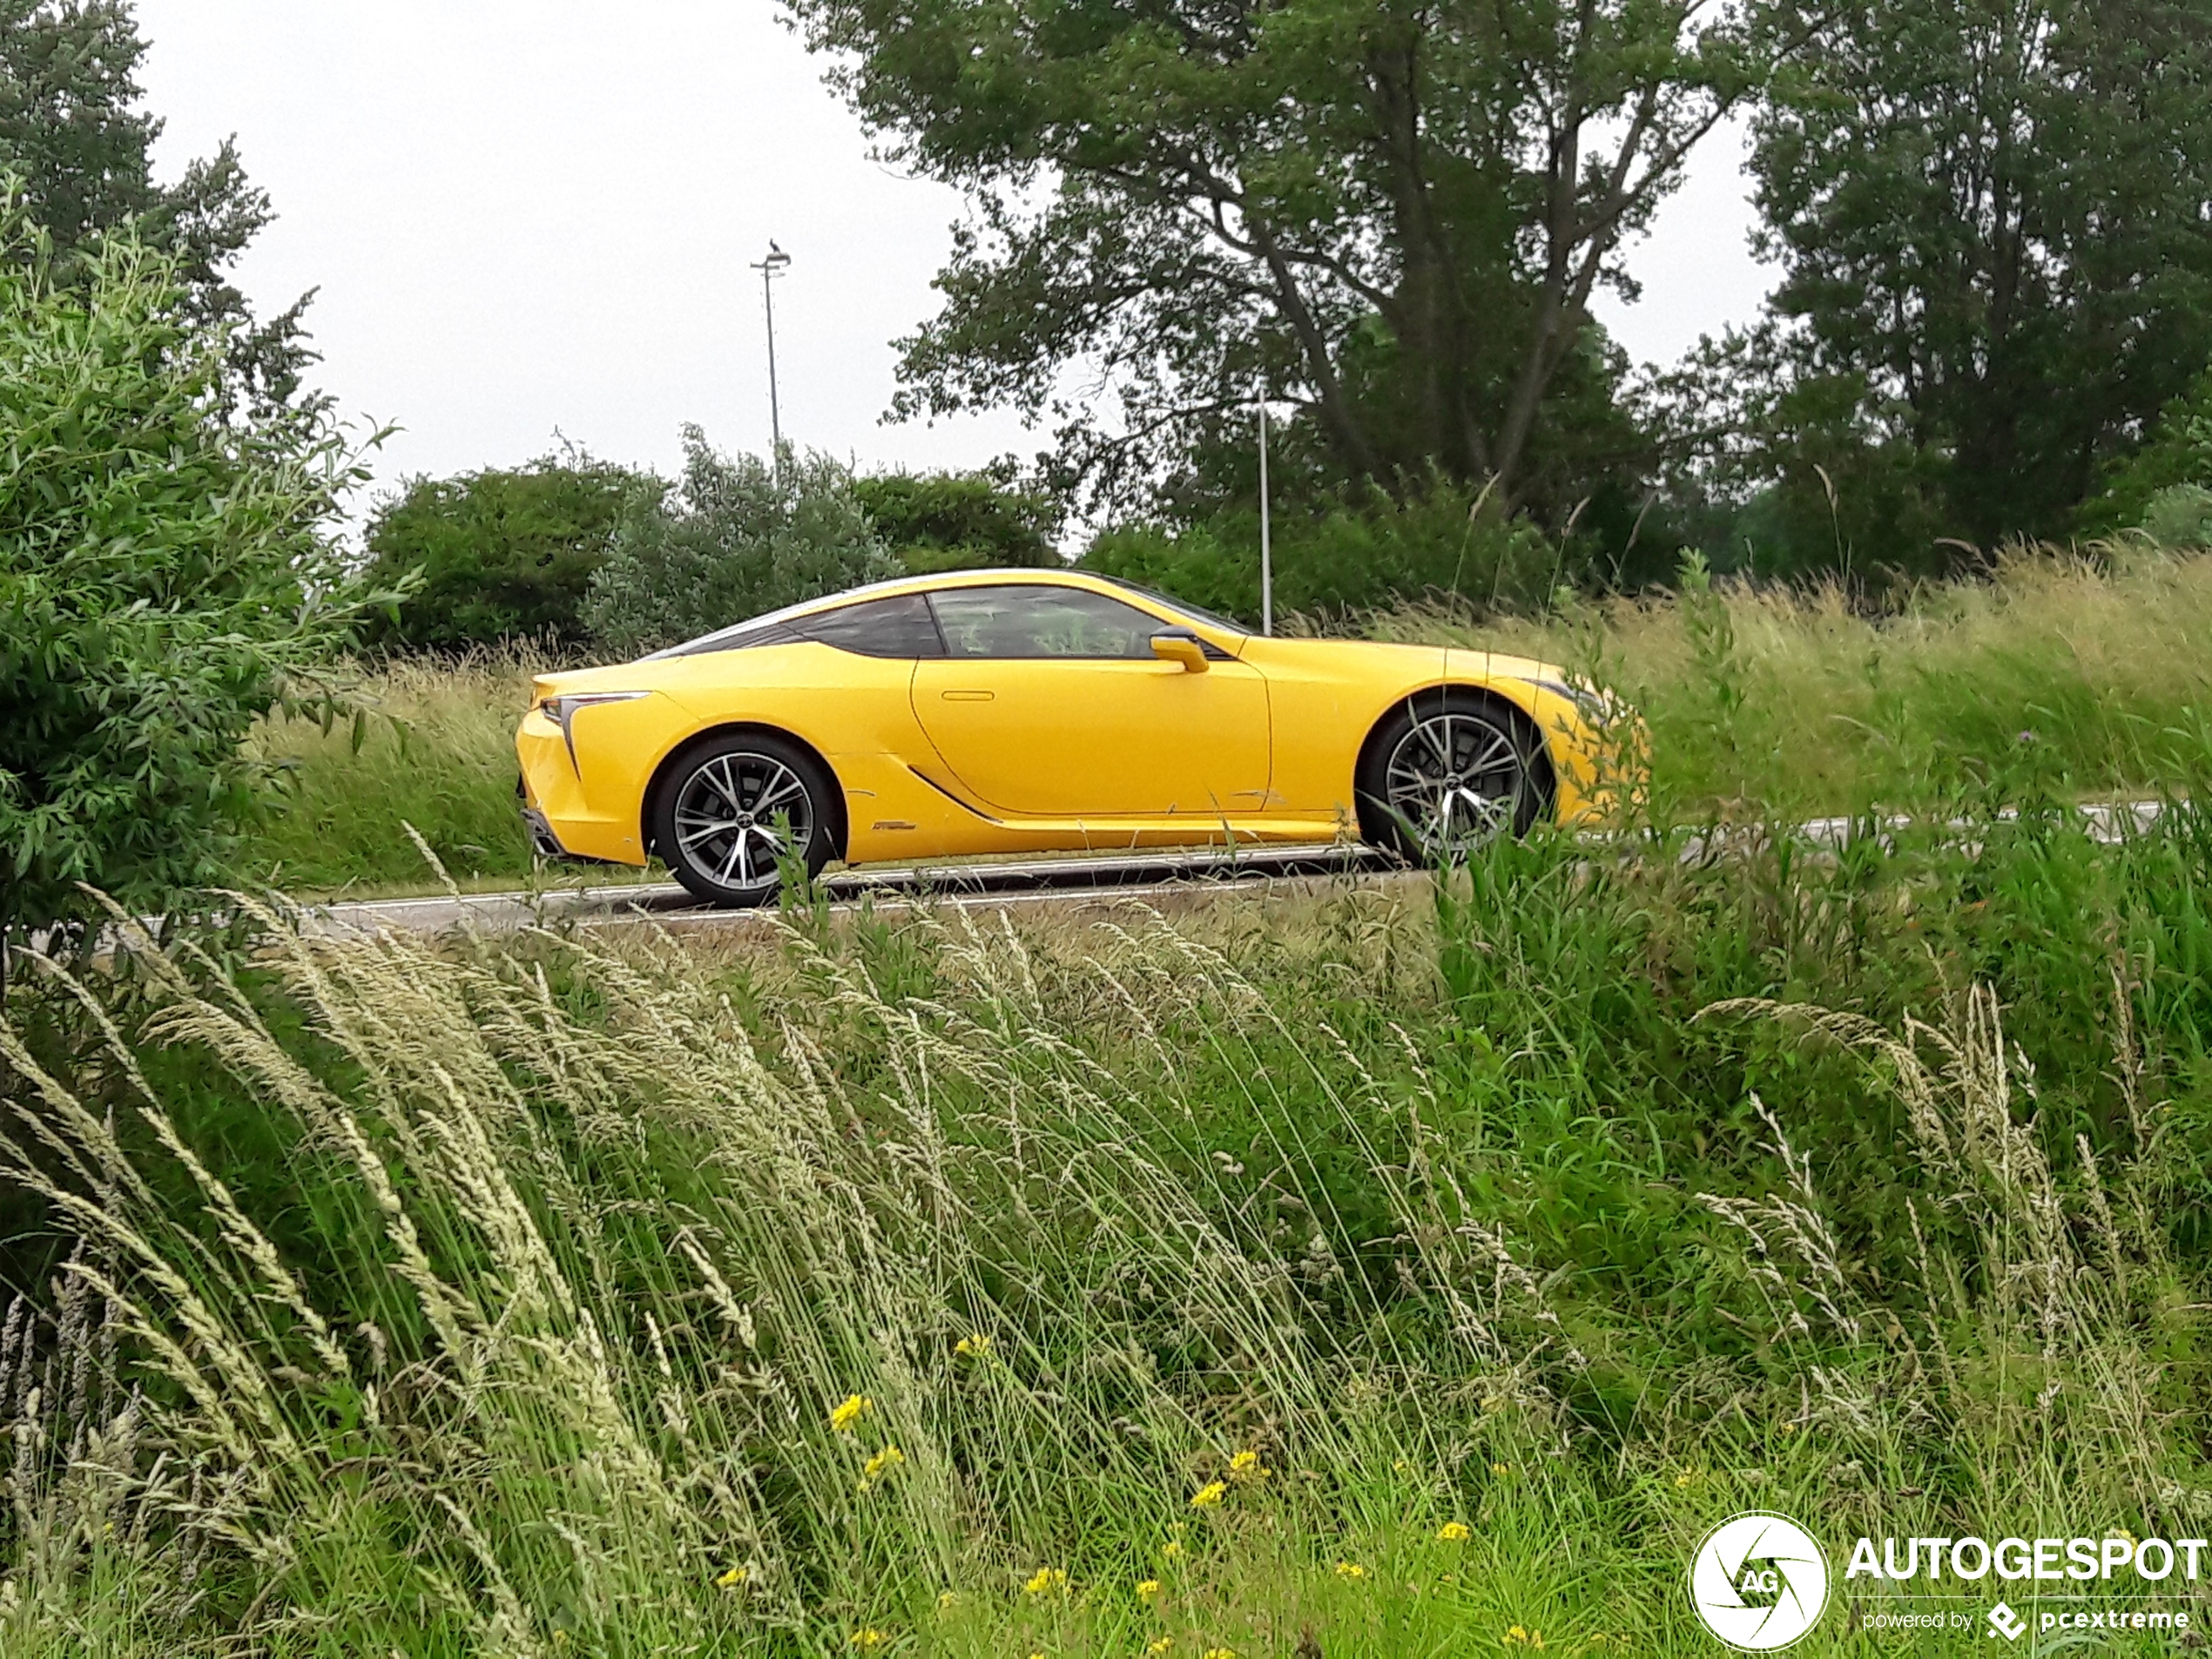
(1266,551)
(772,266)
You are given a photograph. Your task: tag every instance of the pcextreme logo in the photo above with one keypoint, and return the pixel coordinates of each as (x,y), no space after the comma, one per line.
(1758,1581)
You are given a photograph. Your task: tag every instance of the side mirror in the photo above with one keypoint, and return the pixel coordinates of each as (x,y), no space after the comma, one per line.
(1180,645)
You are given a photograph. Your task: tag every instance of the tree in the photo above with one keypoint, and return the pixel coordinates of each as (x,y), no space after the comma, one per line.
(1391,214)
(165,579)
(1995,221)
(501,553)
(741,537)
(73,129)
(957,521)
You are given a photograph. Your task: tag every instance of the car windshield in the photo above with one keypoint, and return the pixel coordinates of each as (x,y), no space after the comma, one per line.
(1196,613)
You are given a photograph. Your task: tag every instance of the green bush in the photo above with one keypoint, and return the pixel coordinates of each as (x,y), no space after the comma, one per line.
(2179,452)
(2179,518)
(740,537)
(164,580)
(1342,558)
(954,521)
(503,553)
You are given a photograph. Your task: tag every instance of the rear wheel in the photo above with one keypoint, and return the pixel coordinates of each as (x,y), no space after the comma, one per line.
(1448,773)
(734,810)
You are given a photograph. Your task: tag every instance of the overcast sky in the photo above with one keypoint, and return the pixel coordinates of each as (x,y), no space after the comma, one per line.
(525,215)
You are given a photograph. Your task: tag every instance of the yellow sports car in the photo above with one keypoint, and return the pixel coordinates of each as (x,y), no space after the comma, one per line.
(1031,710)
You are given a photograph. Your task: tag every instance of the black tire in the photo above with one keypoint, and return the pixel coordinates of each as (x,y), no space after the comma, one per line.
(733,775)
(1497,760)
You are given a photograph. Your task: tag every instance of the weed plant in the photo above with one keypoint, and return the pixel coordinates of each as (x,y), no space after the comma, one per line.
(436,751)
(1413,1271)
(1796,699)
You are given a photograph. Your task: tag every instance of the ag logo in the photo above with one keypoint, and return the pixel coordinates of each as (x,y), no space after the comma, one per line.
(1758,1581)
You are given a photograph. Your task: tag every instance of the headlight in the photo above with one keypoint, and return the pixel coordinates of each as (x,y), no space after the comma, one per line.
(561,711)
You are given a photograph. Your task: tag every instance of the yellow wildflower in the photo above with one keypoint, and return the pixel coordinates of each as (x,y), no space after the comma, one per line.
(1684,1479)
(1209,1494)
(1221,1653)
(1515,1634)
(1350,1569)
(847,1415)
(732,1579)
(973,1347)
(1172,1550)
(948,1600)
(1159,1646)
(1148,1589)
(1453,1532)
(1247,1470)
(1045,1580)
(866,1639)
(883,1461)
(1500,1468)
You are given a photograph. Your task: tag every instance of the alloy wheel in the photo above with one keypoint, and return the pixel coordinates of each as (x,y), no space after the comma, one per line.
(737,814)
(1455,780)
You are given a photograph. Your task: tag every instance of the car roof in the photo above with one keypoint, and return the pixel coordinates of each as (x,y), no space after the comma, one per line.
(1035,575)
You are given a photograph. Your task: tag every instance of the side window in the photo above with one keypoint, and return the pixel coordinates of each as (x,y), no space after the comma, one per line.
(1035,619)
(896,627)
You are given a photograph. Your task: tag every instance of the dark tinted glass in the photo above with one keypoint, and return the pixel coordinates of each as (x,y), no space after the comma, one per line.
(1197,613)
(894,627)
(1032,619)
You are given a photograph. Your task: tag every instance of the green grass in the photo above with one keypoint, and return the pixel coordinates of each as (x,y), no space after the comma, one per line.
(1760,699)
(1766,697)
(436,751)
(464,1298)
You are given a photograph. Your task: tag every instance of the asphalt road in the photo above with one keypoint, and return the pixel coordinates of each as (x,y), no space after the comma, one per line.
(1178,874)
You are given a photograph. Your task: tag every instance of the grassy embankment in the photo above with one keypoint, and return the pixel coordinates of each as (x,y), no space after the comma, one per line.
(1379,1274)
(1760,700)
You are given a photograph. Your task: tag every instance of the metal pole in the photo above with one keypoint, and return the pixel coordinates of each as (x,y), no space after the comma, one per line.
(772,266)
(1266,549)
(775,414)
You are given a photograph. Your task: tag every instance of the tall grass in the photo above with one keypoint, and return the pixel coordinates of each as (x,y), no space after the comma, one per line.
(1357,1276)
(1764,694)
(436,749)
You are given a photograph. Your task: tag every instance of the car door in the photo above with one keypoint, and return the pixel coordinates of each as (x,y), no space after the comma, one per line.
(1049,703)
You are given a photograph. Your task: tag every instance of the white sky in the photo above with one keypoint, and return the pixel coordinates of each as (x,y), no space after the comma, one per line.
(531,214)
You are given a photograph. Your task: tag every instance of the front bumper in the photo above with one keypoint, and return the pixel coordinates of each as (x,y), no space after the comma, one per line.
(543,842)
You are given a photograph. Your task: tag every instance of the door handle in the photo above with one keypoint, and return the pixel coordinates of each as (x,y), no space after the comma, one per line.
(968,696)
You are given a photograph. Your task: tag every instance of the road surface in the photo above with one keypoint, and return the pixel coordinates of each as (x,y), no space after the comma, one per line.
(1182,872)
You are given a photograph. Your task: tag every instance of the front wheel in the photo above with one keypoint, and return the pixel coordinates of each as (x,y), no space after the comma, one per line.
(734,811)
(1447,773)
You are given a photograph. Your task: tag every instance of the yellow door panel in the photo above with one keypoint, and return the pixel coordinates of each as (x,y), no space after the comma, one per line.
(1082,736)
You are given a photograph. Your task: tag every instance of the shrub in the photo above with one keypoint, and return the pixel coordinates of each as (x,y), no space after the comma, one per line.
(503,553)
(2179,452)
(952,520)
(1341,558)
(2179,518)
(164,580)
(740,537)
